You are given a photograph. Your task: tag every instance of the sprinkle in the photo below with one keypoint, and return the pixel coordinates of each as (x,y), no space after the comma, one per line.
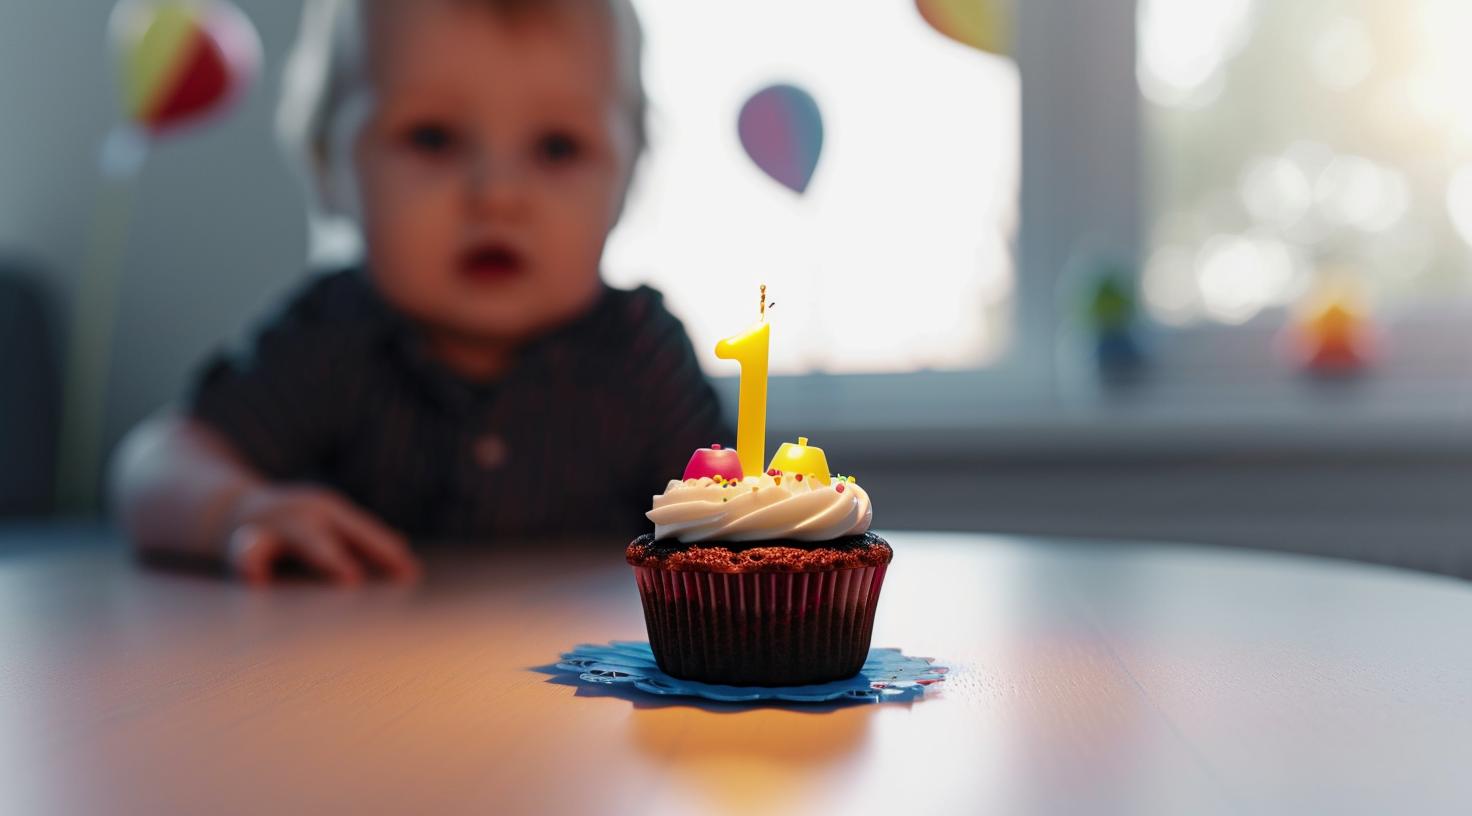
(798,477)
(839,488)
(774,472)
(753,488)
(777,479)
(726,499)
(850,480)
(715,446)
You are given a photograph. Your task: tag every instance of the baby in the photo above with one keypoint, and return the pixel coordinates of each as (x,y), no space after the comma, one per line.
(474,378)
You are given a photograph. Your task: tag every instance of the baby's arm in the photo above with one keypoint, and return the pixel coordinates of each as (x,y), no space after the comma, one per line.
(181,488)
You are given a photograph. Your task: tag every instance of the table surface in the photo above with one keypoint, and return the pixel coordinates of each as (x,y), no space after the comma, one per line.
(1086,677)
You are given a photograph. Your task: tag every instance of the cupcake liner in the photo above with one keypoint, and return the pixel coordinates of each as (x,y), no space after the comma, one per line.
(760,628)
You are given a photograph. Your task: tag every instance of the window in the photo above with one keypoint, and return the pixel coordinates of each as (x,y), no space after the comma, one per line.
(1303,145)
(897,257)
(1246,154)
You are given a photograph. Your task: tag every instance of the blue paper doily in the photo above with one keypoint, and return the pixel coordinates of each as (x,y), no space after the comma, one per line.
(887,675)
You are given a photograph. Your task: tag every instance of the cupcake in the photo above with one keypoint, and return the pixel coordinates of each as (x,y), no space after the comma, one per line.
(768,580)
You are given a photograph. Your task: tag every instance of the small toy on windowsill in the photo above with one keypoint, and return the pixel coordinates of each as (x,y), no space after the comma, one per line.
(1111,320)
(1331,336)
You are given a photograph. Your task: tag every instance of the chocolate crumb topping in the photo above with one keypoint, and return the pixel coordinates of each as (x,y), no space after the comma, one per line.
(777,555)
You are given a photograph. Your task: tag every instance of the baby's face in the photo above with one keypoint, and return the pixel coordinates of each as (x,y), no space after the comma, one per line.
(491,164)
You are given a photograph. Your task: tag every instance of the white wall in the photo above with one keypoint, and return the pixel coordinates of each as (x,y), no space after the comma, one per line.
(217,228)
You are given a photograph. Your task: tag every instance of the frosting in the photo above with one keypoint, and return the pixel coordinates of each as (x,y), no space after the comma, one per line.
(759,508)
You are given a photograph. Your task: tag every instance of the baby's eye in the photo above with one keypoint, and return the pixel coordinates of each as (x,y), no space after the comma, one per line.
(558,147)
(430,138)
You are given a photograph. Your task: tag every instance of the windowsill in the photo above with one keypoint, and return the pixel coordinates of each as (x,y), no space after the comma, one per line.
(951,419)
(1093,438)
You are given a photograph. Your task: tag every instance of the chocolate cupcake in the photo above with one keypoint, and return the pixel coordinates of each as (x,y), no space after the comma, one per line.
(769,580)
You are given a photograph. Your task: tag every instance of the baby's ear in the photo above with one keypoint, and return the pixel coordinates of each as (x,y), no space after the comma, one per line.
(335,237)
(331,157)
(333,241)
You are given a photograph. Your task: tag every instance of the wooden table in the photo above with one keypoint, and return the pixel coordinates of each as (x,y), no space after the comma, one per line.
(1088,678)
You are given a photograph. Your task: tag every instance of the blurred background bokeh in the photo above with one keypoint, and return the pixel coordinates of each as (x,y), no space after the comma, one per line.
(1166,269)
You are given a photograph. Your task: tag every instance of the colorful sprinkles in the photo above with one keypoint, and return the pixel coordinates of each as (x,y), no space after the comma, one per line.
(839,480)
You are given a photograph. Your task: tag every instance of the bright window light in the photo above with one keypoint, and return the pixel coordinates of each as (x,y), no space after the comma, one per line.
(898,255)
(1330,146)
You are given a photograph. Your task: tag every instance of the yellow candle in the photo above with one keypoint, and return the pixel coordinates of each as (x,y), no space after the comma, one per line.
(750,350)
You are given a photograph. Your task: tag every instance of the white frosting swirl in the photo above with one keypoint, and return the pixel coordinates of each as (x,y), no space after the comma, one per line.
(760,508)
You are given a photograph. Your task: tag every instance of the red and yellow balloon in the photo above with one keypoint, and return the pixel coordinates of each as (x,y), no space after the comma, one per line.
(182,62)
(985,25)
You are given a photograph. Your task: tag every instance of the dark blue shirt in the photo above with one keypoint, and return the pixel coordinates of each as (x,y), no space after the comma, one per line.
(590,421)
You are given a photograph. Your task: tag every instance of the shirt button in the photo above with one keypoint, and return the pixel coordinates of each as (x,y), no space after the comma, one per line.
(489,451)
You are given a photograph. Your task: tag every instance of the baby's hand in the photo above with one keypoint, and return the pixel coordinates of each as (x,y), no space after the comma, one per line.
(317,527)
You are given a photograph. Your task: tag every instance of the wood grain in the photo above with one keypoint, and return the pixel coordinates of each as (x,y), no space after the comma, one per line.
(1099,678)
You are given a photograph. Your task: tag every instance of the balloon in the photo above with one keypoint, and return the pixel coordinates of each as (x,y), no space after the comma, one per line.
(182,61)
(782,131)
(982,24)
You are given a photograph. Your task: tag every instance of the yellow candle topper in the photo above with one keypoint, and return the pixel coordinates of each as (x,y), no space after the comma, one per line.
(801,459)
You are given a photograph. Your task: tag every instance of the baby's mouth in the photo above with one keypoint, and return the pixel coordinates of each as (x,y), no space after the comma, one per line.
(491,262)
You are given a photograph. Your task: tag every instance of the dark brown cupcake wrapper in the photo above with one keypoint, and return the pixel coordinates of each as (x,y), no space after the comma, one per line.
(760,629)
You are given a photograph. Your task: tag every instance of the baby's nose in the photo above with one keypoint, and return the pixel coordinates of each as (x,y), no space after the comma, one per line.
(497,185)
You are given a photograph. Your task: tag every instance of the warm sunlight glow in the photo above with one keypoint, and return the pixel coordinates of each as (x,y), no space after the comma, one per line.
(1240,275)
(1439,86)
(1459,202)
(1286,139)
(1183,44)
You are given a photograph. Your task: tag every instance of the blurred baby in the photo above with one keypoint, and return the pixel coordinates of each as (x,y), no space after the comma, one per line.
(473,378)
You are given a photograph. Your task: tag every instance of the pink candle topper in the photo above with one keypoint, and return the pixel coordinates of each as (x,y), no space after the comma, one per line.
(714,461)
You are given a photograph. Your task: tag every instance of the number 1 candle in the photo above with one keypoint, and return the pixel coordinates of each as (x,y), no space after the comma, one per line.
(750,350)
